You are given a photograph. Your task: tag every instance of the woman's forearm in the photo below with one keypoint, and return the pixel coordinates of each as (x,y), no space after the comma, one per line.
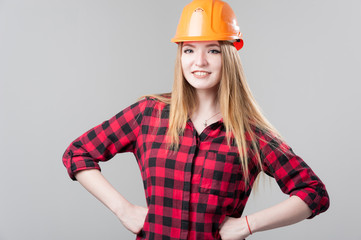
(131,216)
(285,213)
(288,212)
(93,181)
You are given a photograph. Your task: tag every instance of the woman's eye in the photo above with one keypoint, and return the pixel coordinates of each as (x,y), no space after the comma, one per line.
(188,51)
(214,51)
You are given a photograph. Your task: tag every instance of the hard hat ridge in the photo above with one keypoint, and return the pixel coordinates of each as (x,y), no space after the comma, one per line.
(208,20)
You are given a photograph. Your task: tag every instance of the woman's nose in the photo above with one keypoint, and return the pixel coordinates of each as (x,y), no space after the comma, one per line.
(201,59)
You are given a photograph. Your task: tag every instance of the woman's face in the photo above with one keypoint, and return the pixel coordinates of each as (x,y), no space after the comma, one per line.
(202,64)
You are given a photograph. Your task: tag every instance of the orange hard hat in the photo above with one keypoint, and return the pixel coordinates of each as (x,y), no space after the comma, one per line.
(208,20)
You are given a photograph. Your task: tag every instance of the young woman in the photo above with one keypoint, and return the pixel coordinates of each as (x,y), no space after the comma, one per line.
(200,147)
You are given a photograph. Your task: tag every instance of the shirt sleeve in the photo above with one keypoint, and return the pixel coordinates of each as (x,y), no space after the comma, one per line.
(292,174)
(101,143)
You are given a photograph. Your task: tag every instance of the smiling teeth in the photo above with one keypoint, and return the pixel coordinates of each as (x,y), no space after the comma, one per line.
(200,73)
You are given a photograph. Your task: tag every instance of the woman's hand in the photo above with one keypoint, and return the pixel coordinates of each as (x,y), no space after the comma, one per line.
(234,229)
(133,217)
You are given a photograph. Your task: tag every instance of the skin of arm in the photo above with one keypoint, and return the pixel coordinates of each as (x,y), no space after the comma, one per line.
(288,212)
(131,216)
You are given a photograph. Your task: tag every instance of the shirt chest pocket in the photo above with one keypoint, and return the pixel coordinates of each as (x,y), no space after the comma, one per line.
(220,174)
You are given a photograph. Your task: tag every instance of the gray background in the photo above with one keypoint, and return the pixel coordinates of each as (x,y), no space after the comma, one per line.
(66,66)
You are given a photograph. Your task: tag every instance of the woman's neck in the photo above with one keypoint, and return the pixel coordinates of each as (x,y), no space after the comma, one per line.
(207,102)
(207,111)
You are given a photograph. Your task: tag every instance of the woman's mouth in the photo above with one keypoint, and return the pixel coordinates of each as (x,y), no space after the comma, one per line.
(200,74)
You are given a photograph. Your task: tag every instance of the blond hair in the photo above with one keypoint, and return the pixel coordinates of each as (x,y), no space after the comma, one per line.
(239,109)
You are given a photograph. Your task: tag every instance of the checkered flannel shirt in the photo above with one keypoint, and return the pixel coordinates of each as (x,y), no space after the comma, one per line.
(189,192)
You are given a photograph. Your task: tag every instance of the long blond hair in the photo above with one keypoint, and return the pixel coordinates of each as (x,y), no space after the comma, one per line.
(239,109)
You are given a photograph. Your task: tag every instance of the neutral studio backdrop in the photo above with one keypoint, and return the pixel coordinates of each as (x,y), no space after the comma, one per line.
(66,66)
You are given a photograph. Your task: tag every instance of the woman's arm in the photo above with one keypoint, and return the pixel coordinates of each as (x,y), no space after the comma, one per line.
(285,213)
(131,216)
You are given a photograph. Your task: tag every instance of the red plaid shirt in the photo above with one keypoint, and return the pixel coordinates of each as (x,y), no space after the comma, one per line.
(190,191)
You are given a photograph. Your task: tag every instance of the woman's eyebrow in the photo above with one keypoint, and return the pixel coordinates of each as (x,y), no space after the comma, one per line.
(212,45)
(208,45)
(188,45)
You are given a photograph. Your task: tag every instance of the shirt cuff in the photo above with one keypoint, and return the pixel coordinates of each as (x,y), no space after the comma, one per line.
(80,163)
(317,200)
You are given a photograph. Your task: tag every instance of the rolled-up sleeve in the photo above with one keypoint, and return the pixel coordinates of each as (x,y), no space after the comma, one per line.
(292,174)
(101,143)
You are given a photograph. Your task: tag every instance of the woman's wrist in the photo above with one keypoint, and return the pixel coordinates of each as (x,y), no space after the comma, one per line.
(251,224)
(248,226)
(120,209)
